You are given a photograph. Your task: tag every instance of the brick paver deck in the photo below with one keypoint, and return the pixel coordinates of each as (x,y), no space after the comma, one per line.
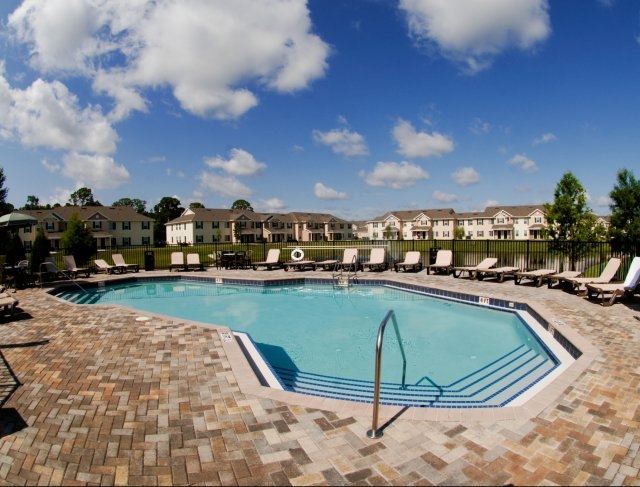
(97,396)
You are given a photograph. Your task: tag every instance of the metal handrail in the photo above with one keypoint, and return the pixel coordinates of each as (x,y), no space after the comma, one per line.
(374,432)
(338,269)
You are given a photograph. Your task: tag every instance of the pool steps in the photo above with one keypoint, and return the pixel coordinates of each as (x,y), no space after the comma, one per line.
(518,369)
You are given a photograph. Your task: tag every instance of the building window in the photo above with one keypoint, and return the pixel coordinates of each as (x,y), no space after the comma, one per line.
(126,225)
(480,233)
(480,221)
(114,242)
(445,223)
(146,240)
(469,222)
(126,240)
(199,225)
(49,226)
(146,225)
(199,239)
(97,225)
(537,219)
(445,234)
(112,225)
(500,220)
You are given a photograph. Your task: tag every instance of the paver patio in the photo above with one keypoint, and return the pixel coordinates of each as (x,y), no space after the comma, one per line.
(97,396)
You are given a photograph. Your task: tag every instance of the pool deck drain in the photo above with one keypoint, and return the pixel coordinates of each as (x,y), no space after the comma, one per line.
(96,397)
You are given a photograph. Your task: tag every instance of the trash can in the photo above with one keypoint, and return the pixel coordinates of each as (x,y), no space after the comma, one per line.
(149,261)
(433,254)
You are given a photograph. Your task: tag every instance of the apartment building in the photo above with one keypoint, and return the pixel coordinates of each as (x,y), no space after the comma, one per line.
(111,225)
(496,222)
(208,225)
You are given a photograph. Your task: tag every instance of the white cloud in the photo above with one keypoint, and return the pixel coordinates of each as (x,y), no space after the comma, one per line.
(524,163)
(343,141)
(272,205)
(324,193)
(48,115)
(479,127)
(395,175)
(465,176)
(95,171)
(442,197)
(472,32)
(224,185)
(240,163)
(413,144)
(127,46)
(544,139)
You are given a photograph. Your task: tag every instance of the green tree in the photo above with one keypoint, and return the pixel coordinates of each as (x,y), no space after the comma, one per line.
(14,249)
(625,209)
(570,222)
(4,191)
(40,249)
(167,209)
(196,204)
(388,232)
(77,240)
(138,205)
(458,233)
(33,203)
(241,205)
(83,197)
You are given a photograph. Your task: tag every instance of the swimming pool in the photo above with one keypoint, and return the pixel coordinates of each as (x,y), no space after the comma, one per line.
(319,339)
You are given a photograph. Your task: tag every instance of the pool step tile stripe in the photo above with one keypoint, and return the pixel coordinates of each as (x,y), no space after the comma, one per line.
(491,387)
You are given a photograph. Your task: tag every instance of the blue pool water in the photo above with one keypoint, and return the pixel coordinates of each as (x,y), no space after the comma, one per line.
(307,332)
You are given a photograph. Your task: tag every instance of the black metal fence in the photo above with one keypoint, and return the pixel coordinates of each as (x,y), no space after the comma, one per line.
(587,257)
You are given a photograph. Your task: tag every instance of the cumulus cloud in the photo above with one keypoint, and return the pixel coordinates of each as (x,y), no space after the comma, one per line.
(524,163)
(224,185)
(270,205)
(127,46)
(96,171)
(395,175)
(325,193)
(240,163)
(48,115)
(343,142)
(472,33)
(544,139)
(442,197)
(465,176)
(419,144)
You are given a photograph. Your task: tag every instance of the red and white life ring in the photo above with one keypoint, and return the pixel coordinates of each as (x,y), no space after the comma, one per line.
(297,254)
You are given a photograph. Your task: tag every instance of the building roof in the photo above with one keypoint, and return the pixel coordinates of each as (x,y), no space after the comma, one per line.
(88,213)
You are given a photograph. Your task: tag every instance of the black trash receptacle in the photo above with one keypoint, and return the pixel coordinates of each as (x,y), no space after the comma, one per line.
(149,261)
(433,254)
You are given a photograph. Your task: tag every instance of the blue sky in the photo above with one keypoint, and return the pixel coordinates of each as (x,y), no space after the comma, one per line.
(350,107)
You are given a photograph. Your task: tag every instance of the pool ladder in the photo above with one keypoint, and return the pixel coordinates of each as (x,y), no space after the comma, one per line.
(342,279)
(376,432)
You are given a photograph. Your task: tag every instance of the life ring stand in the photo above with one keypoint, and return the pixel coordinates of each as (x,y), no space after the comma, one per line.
(297,254)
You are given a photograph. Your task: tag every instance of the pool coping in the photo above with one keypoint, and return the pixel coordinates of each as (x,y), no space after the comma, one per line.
(249,383)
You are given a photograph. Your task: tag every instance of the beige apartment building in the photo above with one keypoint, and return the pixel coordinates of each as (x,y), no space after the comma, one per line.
(494,223)
(208,225)
(111,225)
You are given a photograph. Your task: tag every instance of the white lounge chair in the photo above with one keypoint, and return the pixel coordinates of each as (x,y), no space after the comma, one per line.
(377,260)
(443,263)
(561,277)
(9,303)
(411,262)
(629,287)
(177,261)
(193,262)
(349,260)
(486,264)
(103,266)
(272,260)
(537,276)
(72,269)
(498,272)
(119,261)
(608,273)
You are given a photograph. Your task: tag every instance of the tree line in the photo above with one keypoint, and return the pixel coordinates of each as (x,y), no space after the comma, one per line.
(569,218)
